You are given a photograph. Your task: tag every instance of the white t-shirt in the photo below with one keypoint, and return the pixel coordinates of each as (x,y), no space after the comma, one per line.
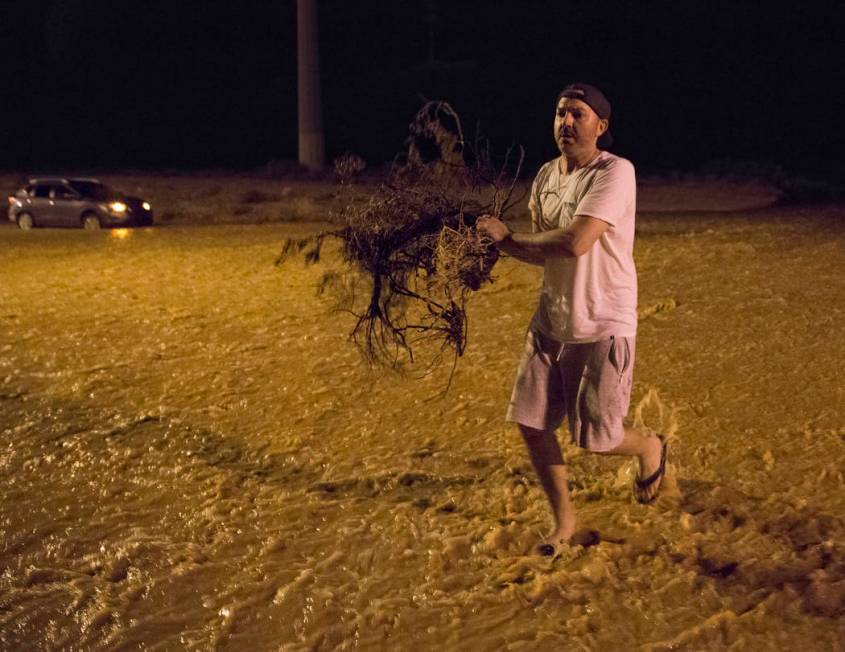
(592,296)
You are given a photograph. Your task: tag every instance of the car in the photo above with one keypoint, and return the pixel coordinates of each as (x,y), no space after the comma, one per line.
(76,201)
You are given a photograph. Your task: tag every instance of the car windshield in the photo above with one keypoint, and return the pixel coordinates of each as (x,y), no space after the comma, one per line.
(94,190)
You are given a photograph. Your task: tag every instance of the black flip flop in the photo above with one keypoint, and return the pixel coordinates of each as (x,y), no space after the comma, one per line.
(654,477)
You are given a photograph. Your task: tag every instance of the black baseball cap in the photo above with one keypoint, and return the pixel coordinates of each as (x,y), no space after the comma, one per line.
(595,99)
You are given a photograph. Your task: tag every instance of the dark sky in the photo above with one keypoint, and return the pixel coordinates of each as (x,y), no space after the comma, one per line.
(102,84)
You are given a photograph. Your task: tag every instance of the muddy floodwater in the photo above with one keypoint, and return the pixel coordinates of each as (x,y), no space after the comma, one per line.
(193,457)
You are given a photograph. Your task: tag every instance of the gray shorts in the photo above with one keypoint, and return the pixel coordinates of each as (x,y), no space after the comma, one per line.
(588,382)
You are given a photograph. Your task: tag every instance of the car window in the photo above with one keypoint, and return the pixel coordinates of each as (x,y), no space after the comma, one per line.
(94,190)
(61,192)
(42,190)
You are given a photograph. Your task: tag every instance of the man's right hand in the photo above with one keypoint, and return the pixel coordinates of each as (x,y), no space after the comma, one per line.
(493,227)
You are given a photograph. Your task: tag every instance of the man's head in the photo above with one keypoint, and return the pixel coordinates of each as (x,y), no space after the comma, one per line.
(582,119)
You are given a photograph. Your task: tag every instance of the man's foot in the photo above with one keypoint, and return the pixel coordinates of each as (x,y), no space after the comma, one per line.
(652,470)
(552,547)
(558,540)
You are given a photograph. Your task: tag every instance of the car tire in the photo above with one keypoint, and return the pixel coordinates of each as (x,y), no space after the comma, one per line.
(91,222)
(25,222)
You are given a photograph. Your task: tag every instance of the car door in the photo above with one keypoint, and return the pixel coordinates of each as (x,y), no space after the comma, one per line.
(67,205)
(42,206)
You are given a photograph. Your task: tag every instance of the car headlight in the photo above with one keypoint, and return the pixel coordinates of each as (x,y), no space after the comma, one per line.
(147,206)
(118,207)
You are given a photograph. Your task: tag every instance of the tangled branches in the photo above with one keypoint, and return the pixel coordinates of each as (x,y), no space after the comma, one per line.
(412,256)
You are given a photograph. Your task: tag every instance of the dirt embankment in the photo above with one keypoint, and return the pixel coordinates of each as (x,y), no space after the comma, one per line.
(225,198)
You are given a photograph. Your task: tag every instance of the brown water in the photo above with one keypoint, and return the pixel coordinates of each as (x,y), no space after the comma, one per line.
(193,457)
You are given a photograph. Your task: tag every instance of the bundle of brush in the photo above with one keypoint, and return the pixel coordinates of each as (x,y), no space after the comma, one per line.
(413,246)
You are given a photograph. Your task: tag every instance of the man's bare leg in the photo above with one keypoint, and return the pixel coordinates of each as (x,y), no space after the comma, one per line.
(648,450)
(547,459)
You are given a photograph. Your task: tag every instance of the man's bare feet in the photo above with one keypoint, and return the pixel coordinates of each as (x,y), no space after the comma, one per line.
(558,538)
(652,470)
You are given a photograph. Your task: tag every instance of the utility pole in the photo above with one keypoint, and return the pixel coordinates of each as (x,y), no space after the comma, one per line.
(311,145)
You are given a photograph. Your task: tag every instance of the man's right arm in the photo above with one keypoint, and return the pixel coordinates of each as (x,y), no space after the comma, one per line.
(535,248)
(512,248)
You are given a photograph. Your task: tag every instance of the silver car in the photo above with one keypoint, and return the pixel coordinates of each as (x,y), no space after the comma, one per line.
(63,201)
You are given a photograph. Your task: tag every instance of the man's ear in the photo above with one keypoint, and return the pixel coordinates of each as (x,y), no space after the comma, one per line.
(603,125)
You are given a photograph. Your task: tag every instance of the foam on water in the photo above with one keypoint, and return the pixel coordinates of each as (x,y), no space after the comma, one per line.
(193,457)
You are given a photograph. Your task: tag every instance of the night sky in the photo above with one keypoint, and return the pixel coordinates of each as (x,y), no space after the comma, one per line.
(111,84)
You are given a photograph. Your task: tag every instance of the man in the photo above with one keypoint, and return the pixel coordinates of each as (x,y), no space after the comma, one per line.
(579,354)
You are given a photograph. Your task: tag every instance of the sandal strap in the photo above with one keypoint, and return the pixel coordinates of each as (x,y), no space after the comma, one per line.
(647,482)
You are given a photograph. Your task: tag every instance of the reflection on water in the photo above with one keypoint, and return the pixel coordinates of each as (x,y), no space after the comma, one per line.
(121,234)
(198,459)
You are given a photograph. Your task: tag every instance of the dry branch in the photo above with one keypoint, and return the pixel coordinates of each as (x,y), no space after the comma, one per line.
(411,253)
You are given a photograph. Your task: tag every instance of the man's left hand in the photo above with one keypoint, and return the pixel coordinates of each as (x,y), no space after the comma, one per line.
(493,227)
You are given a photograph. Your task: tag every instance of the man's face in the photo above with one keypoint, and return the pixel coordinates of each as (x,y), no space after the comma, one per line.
(577,127)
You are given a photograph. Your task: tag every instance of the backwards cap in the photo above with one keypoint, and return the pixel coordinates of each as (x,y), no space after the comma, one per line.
(595,99)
